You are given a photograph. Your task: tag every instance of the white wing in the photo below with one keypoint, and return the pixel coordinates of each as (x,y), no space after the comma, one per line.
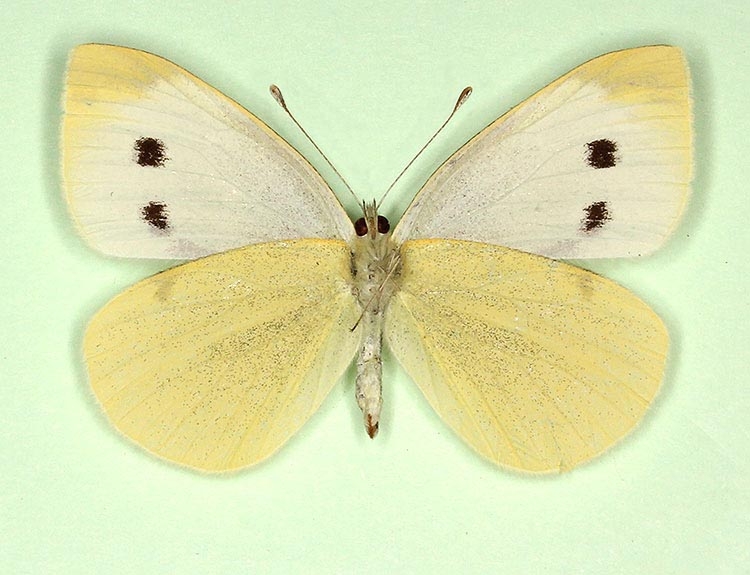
(597,164)
(158,164)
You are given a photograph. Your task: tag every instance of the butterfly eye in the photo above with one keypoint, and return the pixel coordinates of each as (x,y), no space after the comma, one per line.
(383,225)
(360,227)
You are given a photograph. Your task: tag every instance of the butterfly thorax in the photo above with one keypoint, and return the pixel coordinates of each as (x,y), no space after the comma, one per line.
(375,262)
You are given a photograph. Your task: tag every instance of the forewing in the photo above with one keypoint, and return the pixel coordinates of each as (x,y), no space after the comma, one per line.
(597,164)
(536,364)
(158,164)
(216,363)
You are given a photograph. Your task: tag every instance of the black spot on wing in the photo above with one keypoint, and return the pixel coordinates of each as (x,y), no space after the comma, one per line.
(150,152)
(156,215)
(602,154)
(596,215)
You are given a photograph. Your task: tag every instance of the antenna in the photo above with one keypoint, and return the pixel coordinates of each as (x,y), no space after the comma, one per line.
(278,96)
(465,93)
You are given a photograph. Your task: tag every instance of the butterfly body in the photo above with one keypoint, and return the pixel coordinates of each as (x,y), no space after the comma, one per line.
(538,365)
(375,263)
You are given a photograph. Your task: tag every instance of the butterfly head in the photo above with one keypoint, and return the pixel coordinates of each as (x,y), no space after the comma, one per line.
(371,224)
(375,258)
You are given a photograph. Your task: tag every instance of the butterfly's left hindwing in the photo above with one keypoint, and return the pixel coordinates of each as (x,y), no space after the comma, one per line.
(158,164)
(216,363)
(597,164)
(537,364)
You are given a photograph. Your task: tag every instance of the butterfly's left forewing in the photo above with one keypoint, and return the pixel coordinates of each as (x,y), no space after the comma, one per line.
(216,363)
(597,164)
(538,365)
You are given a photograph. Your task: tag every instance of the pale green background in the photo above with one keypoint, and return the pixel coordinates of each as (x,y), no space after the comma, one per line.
(371,81)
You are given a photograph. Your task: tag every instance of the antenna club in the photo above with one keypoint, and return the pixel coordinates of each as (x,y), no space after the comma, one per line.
(463,96)
(277,95)
(465,93)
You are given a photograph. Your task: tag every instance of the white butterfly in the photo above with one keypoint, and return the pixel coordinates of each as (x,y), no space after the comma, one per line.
(536,364)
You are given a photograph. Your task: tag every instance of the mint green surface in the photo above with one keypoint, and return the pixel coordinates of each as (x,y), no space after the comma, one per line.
(371,81)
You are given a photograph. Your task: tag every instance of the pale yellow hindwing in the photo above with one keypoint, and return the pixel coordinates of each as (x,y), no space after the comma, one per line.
(537,364)
(216,363)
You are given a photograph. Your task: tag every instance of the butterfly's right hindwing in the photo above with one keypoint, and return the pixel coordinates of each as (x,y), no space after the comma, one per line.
(538,365)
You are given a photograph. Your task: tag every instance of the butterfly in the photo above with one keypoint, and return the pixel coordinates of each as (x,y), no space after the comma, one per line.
(536,364)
